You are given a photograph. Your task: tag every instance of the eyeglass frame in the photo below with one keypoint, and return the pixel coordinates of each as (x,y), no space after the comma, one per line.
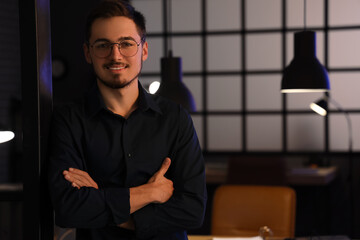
(118,45)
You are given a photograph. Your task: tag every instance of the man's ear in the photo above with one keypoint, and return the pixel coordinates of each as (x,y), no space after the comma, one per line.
(145,51)
(87,53)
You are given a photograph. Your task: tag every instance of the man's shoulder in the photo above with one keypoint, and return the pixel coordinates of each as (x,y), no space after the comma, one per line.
(166,105)
(70,108)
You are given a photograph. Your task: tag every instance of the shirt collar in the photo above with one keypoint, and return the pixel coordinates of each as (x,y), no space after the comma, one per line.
(94,102)
(146,101)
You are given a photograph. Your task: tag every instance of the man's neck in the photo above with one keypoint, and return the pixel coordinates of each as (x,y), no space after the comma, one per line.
(122,101)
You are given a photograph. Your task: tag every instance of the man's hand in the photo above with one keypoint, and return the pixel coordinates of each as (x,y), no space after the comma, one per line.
(163,187)
(158,189)
(79,178)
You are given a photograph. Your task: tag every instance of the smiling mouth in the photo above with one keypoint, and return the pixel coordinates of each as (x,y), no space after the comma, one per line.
(116,66)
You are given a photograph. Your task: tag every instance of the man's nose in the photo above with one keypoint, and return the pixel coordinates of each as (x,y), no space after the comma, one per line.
(115,52)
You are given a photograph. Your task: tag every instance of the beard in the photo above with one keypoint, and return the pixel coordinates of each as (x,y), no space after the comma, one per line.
(119,85)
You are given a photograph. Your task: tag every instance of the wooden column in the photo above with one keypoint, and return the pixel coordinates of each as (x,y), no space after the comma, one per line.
(35,41)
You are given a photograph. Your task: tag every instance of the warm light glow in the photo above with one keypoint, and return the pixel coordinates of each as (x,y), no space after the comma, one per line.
(154,86)
(319,110)
(6,136)
(302,90)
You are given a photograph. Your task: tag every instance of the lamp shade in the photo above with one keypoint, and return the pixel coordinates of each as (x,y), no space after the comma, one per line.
(6,135)
(172,86)
(320,107)
(305,73)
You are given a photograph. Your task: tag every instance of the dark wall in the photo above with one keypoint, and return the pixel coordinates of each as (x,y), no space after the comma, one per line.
(10,82)
(67,31)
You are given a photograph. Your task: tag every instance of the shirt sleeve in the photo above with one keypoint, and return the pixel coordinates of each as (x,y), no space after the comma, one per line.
(186,208)
(85,207)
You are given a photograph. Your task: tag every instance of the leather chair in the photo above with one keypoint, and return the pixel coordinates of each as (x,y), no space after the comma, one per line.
(240,210)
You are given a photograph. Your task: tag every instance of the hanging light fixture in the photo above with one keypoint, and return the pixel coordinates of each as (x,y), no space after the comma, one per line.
(305,73)
(172,86)
(5,134)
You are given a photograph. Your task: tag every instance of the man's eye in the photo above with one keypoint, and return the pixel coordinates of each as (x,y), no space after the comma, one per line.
(102,45)
(126,44)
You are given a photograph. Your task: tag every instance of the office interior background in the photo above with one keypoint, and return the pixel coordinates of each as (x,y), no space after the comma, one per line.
(233,55)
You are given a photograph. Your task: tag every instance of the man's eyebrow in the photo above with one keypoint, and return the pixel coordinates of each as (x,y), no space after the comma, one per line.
(120,39)
(126,38)
(102,40)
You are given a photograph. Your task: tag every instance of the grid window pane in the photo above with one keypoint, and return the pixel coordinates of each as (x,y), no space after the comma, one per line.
(345,89)
(305,133)
(344,48)
(301,101)
(295,13)
(198,125)
(339,132)
(186,15)
(224,93)
(320,47)
(190,50)
(152,10)
(257,98)
(224,133)
(263,14)
(263,51)
(344,12)
(224,53)
(152,64)
(264,133)
(194,84)
(224,15)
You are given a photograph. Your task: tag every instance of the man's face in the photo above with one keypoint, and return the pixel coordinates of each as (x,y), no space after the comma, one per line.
(116,70)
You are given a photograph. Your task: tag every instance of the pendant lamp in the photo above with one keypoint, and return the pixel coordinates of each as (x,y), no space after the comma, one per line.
(172,86)
(305,73)
(5,134)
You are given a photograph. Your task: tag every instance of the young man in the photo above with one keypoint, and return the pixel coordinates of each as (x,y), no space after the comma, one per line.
(124,164)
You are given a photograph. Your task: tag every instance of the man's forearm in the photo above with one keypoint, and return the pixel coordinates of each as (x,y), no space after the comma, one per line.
(140,196)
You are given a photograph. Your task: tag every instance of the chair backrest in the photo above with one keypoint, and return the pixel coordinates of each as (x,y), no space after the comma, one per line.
(240,210)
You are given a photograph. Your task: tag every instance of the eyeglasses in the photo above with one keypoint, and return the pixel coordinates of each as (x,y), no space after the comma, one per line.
(127,48)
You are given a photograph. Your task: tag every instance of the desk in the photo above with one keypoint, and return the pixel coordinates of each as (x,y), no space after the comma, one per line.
(217,174)
(208,237)
(199,237)
(336,237)
(311,176)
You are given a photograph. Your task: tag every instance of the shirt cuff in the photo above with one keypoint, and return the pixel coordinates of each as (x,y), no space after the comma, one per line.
(145,222)
(118,200)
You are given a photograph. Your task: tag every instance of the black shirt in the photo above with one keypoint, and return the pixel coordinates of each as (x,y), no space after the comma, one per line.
(120,153)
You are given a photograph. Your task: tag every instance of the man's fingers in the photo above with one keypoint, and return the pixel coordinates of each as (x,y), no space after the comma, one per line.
(79,178)
(165,166)
(74,179)
(82,177)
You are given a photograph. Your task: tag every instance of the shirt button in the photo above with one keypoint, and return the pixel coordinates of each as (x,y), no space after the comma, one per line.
(129,155)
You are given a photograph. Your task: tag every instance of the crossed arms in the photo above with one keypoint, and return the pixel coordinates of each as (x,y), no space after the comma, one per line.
(158,189)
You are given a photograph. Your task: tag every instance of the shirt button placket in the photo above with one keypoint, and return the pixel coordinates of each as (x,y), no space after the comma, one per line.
(125,140)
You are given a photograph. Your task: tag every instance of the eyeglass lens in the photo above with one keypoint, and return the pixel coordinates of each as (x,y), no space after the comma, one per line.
(127,48)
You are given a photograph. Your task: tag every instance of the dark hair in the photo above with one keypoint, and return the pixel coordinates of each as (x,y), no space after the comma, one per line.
(116,8)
